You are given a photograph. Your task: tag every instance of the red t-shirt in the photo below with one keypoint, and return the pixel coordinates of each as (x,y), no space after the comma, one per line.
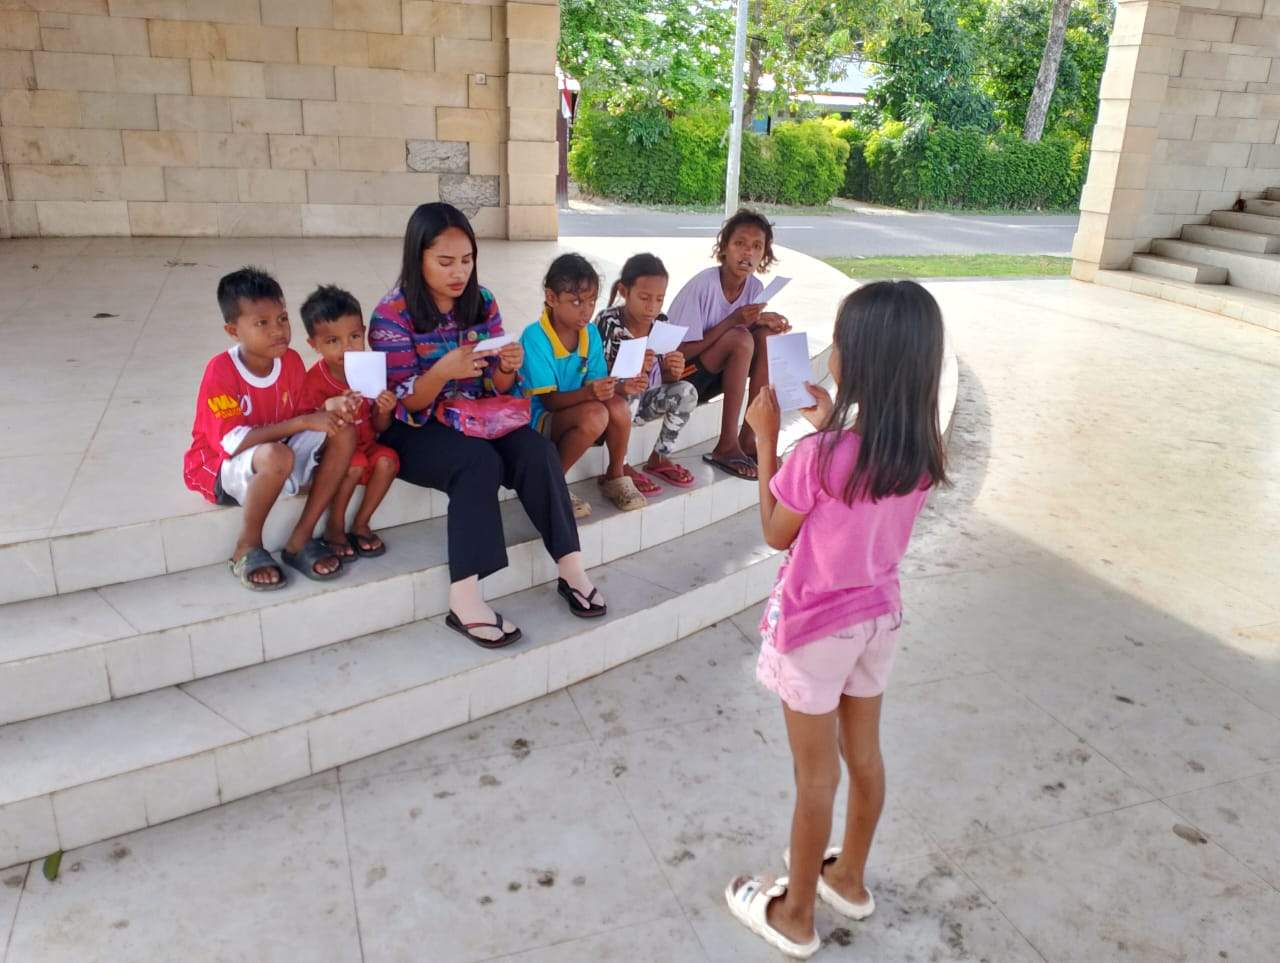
(232,402)
(321,385)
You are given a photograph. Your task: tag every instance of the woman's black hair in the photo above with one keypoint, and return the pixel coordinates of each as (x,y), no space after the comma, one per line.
(745,218)
(890,338)
(571,272)
(638,266)
(427,223)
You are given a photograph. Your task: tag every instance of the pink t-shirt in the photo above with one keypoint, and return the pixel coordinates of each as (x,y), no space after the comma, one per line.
(843,566)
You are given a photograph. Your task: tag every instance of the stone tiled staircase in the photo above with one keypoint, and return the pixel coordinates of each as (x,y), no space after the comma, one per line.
(1229,266)
(127,704)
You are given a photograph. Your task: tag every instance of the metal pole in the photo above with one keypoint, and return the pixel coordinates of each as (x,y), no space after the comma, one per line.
(734,166)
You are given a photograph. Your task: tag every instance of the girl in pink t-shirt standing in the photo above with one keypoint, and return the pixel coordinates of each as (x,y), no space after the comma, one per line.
(844,504)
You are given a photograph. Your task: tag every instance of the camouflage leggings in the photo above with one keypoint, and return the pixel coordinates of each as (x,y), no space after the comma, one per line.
(674,404)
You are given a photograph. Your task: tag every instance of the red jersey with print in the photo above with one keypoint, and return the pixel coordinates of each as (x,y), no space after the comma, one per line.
(232,402)
(321,385)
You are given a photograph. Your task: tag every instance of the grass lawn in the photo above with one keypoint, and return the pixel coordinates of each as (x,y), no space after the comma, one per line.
(953,266)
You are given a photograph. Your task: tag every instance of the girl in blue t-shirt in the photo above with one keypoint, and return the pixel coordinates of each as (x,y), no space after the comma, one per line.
(575,402)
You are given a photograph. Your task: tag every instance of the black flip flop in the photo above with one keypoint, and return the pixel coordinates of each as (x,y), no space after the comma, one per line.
(464,628)
(305,560)
(733,466)
(592,610)
(355,538)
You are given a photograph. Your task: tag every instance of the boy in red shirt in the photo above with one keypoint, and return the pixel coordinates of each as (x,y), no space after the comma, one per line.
(335,325)
(251,440)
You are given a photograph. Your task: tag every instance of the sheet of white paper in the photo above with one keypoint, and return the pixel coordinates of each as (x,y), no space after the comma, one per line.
(630,359)
(772,291)
(494,344)
(366,372)
(665,337)
(789,369)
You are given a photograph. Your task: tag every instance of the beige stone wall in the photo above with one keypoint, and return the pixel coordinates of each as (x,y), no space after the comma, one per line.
(1188,122)
(313,118)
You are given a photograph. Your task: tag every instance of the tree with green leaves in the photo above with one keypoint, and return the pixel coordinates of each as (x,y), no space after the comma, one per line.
(1014,36)
(927,69)
(805,44)
(633,54)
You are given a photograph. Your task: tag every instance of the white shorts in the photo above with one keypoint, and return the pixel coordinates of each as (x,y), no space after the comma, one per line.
(236,471)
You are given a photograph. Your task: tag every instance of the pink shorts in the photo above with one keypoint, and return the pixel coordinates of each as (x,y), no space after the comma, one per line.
(855,662)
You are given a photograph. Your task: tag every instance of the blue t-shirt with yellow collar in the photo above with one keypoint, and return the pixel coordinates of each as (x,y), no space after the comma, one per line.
(550,366)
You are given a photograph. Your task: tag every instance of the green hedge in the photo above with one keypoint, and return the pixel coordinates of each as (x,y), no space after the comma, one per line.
(646,157)
(940,168)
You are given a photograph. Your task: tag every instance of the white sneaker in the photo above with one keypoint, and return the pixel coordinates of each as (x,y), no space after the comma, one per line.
(845,907)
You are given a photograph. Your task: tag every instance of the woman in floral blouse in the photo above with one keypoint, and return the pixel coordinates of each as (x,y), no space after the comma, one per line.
(429,326)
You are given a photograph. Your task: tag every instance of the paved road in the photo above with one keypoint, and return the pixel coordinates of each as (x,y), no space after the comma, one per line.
(855,233)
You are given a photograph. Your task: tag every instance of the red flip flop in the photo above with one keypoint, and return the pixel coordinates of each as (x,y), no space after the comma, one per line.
(643,485)
(673,474)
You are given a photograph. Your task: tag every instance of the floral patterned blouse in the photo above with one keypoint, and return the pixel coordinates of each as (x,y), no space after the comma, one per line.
(411,353)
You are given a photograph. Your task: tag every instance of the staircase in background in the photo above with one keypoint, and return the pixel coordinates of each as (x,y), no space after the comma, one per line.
(1229,266)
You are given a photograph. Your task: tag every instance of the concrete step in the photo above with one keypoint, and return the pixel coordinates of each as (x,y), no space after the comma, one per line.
(1180,270)
(1273,193)
(1241,221)
(1256,272)
(1255,242)
(180,531)
(94,773)
(70,651)
(1270,208)
(1251,307)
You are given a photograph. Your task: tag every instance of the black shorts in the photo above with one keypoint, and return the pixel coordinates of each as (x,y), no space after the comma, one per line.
(708,384)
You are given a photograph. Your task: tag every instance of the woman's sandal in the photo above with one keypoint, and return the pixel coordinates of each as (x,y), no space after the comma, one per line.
(645,486)
(845,907)
(465,628)
(735,466)
(748,899)
(305,560)
(673,474)
(367,546)
(253,561)
(591,610)
(623,493)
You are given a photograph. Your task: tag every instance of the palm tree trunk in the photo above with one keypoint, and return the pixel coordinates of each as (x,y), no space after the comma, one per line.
(1042,94)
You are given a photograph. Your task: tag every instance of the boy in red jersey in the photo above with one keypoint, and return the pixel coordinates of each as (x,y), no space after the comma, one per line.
(335,325)
(250,441)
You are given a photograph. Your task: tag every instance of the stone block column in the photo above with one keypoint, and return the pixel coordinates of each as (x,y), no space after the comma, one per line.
(1130,102)
(529,178)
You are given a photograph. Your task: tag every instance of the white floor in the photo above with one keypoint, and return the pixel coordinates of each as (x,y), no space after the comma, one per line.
(1081,731)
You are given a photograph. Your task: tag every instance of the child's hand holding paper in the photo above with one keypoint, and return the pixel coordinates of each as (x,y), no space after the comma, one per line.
(630,359)
(665,337)
(789,369)
(366,372)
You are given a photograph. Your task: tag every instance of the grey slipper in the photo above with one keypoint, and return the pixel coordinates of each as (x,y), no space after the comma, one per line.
(255,560)
(305,560)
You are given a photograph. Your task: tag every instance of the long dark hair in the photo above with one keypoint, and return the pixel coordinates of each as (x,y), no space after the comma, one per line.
(427,223)
(745,217)
(890,340)
(637,266)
